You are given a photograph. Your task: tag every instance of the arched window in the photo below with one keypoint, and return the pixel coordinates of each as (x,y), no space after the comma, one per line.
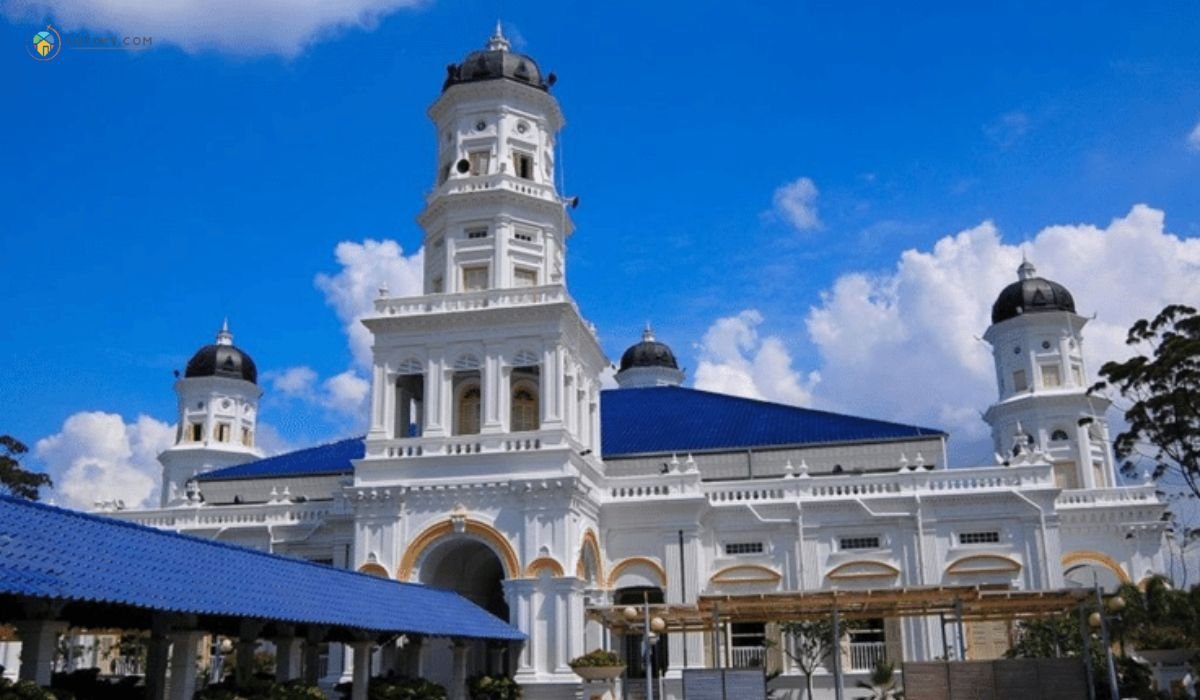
(466,414)
(524,407)
(1059,435)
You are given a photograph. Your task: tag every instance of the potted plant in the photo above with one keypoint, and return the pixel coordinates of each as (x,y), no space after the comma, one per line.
(597,665)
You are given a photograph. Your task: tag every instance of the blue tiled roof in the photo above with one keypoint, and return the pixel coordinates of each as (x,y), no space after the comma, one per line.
(49,552)
(330,458)
(657,420)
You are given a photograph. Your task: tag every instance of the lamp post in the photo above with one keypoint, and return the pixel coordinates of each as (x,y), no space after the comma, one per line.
(651,628)
(1099,620)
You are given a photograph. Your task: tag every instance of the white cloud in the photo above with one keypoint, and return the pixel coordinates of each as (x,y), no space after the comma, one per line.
(904,345)
(796,203)
(99,457)
(734,359)
(344,393)
(256,27)
(1193,139)
(366,267)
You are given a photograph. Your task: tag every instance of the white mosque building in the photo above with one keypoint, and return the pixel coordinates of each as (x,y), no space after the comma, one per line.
(496,465)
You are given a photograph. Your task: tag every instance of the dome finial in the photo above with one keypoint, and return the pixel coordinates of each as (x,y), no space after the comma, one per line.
(1026,270)
(224,337)
(648,333)
(497,42)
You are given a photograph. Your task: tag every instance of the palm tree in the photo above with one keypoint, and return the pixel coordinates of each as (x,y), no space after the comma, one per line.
(883,683)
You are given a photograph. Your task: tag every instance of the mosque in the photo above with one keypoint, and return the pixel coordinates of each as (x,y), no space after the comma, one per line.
(495,465)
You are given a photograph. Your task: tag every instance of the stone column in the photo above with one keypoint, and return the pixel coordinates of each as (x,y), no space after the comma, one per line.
(39,644)
(312,654)
(157,656)
(287,658)
(362,669)
(183,663)
(458,671)
(519,595)
(413,667)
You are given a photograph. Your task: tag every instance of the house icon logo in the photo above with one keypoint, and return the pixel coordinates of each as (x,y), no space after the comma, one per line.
(46,44)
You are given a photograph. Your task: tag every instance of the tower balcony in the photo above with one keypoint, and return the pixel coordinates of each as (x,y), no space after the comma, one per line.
(499,182)
(472,301)
(466,445)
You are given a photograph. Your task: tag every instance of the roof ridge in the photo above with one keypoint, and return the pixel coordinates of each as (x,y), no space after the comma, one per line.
(71,512)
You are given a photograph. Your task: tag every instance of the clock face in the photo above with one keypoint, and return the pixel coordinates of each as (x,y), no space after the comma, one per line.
(480,125)
(522,127)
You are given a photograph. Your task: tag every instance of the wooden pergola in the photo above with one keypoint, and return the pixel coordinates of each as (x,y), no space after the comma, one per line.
(962,603)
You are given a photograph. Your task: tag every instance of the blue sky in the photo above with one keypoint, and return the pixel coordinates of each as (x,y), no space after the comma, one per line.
(150,194)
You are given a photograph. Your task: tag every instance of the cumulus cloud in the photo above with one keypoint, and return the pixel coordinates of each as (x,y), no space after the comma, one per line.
(282,27)
(1193,139)
(344,393)
(796,203)
(904,344)
(97,456)
(735,359)
(366,267)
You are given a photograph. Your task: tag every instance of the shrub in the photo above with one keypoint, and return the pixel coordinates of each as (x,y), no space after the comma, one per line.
(595,658)
(485,687)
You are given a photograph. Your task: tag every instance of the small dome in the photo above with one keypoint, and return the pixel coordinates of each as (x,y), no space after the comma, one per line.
(222,359)
(495,62)
(1031,294)
(649,353)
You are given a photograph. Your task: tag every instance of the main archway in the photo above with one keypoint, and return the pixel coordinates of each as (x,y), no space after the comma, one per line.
(472,569)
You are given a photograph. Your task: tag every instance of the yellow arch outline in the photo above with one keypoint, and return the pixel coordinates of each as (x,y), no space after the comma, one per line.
(592,542)
(372,569)
(1003,565)
(636,561)
(549,563)
(889,570)
(489,535)
(766,574)
(1094,557)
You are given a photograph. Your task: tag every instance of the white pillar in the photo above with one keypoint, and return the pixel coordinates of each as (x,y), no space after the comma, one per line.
(361,652)
(287,658)
(183,664)
(39,644)
(458,678)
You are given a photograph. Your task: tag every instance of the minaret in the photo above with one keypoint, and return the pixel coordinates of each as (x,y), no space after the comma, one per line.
(1037,343)
(494,219)
(648,363)
(496,345)
(218,410)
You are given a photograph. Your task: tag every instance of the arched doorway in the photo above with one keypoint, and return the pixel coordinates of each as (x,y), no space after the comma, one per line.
(473,570)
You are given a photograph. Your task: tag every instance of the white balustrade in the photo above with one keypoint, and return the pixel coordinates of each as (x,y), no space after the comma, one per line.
(747,657)
(232,515)
(865,655)
(470,301)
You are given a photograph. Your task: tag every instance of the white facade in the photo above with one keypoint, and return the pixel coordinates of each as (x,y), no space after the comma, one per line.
(482,468)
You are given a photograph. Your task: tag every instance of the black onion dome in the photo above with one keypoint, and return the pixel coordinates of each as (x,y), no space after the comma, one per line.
(649,353)
(222,359)
(495,62)
(1031,294)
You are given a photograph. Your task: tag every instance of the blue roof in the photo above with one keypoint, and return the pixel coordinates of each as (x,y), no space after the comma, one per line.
(49,552)
(657,420)
(330,458)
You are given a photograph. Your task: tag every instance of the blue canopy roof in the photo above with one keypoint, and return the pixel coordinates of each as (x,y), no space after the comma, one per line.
(656,420)
(330,458)
(54,553)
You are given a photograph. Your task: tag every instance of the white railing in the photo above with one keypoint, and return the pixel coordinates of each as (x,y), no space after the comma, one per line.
(865,655)
(470,301)
(405,448)
(790,489)
(476,183)
(230,516)
(747,657)
(1107,496)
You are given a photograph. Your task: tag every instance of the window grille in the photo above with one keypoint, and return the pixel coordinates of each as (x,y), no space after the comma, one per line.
(859,543)
(736,548)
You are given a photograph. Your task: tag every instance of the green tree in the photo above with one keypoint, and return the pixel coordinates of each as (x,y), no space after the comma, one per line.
(13,478)
(811,642)
(882,685)
(1163,384)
